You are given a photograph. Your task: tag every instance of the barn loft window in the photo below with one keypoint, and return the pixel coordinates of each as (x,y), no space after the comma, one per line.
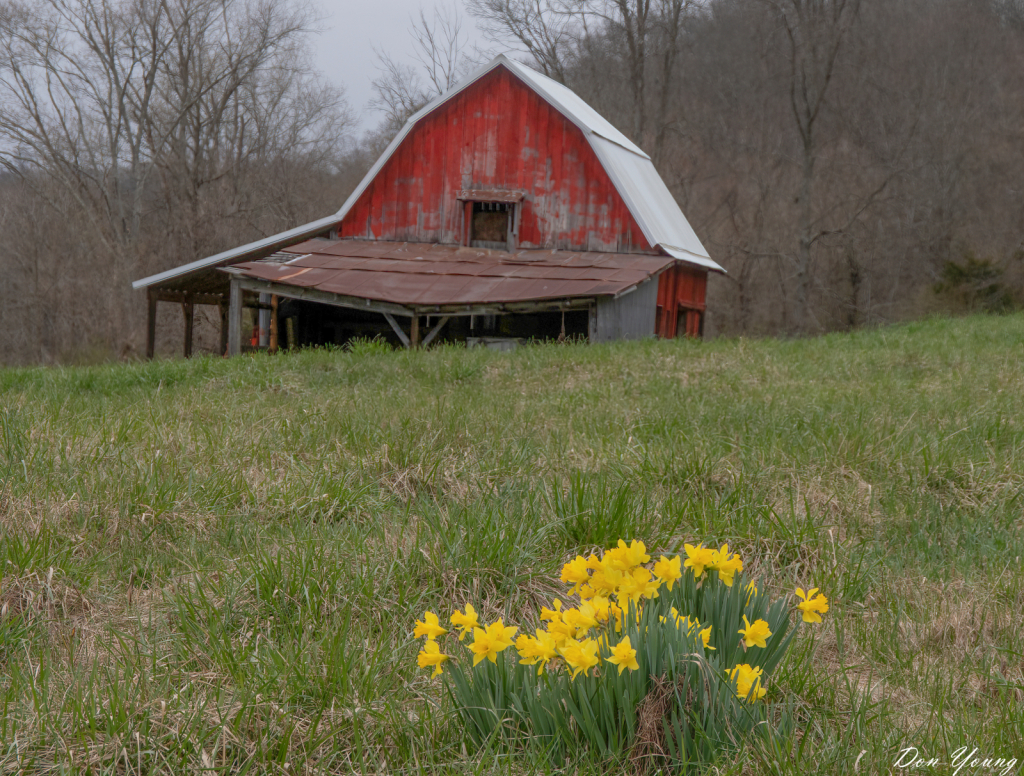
(490,218)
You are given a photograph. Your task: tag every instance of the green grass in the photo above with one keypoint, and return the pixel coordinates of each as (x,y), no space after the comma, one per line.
(217,564)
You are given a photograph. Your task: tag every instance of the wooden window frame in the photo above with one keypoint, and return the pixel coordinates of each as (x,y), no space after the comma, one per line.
(514,200)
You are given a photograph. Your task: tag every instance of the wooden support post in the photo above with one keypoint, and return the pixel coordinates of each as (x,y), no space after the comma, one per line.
(235,319)
(189,310)
(435,331)
(397,329)
(272,347)
(151,324)
(223,328)
(414,332)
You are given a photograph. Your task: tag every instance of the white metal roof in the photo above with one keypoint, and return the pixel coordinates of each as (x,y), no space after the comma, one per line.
(292,236)
(631,171)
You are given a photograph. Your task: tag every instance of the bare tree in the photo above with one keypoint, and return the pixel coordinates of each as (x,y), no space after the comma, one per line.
(646,37)
(143,122)
(440,49)
(815,31)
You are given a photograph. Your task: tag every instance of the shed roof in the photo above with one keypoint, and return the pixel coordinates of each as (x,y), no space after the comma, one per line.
(424,275)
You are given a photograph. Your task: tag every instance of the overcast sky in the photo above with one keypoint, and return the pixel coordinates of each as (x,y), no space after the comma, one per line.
(352,28)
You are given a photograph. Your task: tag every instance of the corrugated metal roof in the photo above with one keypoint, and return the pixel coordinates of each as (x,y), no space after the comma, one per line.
(418,274)
(652,204)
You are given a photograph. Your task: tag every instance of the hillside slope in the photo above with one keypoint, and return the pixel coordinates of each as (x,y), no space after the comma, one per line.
(226,557)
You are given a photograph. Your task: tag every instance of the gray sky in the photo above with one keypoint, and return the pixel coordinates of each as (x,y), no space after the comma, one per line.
(352,28)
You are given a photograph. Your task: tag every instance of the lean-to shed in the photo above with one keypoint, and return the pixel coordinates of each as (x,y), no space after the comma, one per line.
(505,209)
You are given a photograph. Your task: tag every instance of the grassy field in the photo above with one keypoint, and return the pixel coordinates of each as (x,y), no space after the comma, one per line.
(215,565)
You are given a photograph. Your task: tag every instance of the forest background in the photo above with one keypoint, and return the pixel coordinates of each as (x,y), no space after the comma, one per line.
(849,162)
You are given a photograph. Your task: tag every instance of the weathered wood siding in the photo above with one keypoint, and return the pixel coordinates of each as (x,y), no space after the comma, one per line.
(496,134)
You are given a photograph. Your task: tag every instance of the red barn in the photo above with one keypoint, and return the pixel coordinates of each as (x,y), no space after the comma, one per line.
(506,209)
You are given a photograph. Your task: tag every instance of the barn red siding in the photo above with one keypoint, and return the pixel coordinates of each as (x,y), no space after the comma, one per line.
(681,293)
(496,134)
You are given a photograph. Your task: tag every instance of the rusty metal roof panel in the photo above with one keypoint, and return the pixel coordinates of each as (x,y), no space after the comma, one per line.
(433,275)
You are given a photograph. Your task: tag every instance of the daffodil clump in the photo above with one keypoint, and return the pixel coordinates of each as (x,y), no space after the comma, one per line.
(627,627)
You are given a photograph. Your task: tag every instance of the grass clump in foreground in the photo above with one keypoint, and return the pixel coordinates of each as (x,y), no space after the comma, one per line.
(683,701)
(214,564)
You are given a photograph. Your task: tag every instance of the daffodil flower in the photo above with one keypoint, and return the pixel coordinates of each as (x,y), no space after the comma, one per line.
(726,564)
(748,682)
(576,573)
(539,650)
(812,606)
(488,643)
(580,656)
(465,622)
(429,627)
(624,656)
(431,656)
(668,571)
(553,614)
(698,558)
(754,635)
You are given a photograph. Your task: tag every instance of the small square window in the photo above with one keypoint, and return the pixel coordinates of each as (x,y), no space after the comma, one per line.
(491,225)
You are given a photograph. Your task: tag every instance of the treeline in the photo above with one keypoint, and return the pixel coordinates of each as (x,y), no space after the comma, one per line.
(848,161)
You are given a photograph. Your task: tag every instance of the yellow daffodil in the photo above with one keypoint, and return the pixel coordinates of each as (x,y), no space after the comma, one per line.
(601,606)
(638,584)
(575,573)
(465,622)
(429,627)
(580,656)
(726,564)
(668,571)
(623,558)
(698,558)
(538,650)
(581,619)
(748,682)
(751,591)
(561,631)
(705,636)
(624,656)
(754,635)
(488,643)
(431,656)
(812,606)
(553,614)
(606,580)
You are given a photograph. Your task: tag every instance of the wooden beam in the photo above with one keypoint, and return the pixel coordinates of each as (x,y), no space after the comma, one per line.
(323,297)
(235,318)
(272,347)
(371,305)
(398,329)
(414,332)
(151,325)
(223,328)
(435,331)
(163,295)
(189,310)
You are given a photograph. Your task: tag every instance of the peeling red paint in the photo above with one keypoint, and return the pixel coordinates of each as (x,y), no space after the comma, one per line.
(496,134)
(681,293)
